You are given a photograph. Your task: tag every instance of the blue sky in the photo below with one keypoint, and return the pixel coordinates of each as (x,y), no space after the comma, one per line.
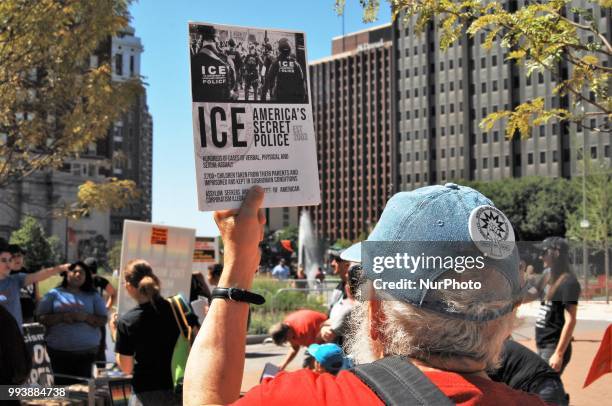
(162,26)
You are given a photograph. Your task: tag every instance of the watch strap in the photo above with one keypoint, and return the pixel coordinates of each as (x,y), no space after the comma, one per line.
(237,295)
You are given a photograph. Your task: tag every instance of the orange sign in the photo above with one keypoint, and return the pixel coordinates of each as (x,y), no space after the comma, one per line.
(159,236)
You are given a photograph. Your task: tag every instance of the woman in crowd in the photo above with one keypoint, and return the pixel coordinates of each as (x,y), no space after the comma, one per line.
(557,316)
(73,313)
(146,336)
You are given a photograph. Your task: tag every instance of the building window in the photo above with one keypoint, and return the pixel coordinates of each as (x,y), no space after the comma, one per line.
(452,130)
(442,65)
(483,87)
(542,131)
(484,112)
(442,131)
(496,162)
(442,153)
(506,83)
(607,151)
(407,156)
(119,64)
(451,86)
(555,156)
(450,64)
(495,136)
(132,66)
(555,129)
(485,163)
(484,138)
(507,159)
(425,177)
(540,77)
(408,136)
(417,177)
(441,87)
(528,80)
(494,60)
(416,135)
(416,156)
(483,62)
(459,62)
(443,175)
(452,152)
(530,158)
(452,107)
(495,85)
(407,73)
(594,152)
(442,109)
(542,157)
(408,178)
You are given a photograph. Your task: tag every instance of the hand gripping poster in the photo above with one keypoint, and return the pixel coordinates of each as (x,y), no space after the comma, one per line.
(252,118)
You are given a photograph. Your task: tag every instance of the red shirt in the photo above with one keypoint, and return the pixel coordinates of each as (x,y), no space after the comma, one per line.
(305,325)
(305,387)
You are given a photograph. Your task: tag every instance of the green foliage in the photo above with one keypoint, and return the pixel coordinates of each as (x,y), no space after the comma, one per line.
(287,233)
(537,207)
(278,305)
(41,249)
(53,103)
(114,256)
(598,188)
(538,35)
(342,243)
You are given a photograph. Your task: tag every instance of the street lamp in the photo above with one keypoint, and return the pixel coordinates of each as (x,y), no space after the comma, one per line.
(584,224)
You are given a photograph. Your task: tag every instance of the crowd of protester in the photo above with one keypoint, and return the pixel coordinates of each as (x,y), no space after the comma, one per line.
(251,70)
(446,347)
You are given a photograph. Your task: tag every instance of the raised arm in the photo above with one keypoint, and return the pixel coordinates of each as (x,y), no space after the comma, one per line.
(45,274)
(216,362)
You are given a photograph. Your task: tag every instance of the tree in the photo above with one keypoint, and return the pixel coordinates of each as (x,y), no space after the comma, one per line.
(114,256)
(596,209)
(287,233)
(41,249)
(54,102)
(341,244)
(537,207)
(541,36)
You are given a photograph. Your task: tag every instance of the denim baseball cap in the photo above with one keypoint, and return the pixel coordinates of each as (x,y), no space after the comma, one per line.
(446,216)
(330,356)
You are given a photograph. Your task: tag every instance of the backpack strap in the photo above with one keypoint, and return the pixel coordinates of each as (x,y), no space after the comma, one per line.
(179,317)
(397,382)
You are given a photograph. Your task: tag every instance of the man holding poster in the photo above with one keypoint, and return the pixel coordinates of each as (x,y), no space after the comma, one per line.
(263,134)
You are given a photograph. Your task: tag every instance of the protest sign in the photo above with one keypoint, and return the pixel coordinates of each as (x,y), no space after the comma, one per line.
(168,249)
(252,117)
(205,253)
(34,337)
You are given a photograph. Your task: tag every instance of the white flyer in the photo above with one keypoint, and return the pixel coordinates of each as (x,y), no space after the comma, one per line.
(252,117)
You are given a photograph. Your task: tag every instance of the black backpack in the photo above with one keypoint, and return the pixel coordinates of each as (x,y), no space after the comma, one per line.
(397,382)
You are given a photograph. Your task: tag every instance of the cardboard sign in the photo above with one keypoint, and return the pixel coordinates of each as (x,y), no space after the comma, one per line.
(206,250)
(171,260)
(159,236)
(34,337)
(252,117)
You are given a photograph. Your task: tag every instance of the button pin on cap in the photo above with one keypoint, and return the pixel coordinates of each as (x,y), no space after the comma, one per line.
(452,186)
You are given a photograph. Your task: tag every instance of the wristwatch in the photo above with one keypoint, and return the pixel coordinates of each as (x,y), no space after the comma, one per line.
(237,295)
